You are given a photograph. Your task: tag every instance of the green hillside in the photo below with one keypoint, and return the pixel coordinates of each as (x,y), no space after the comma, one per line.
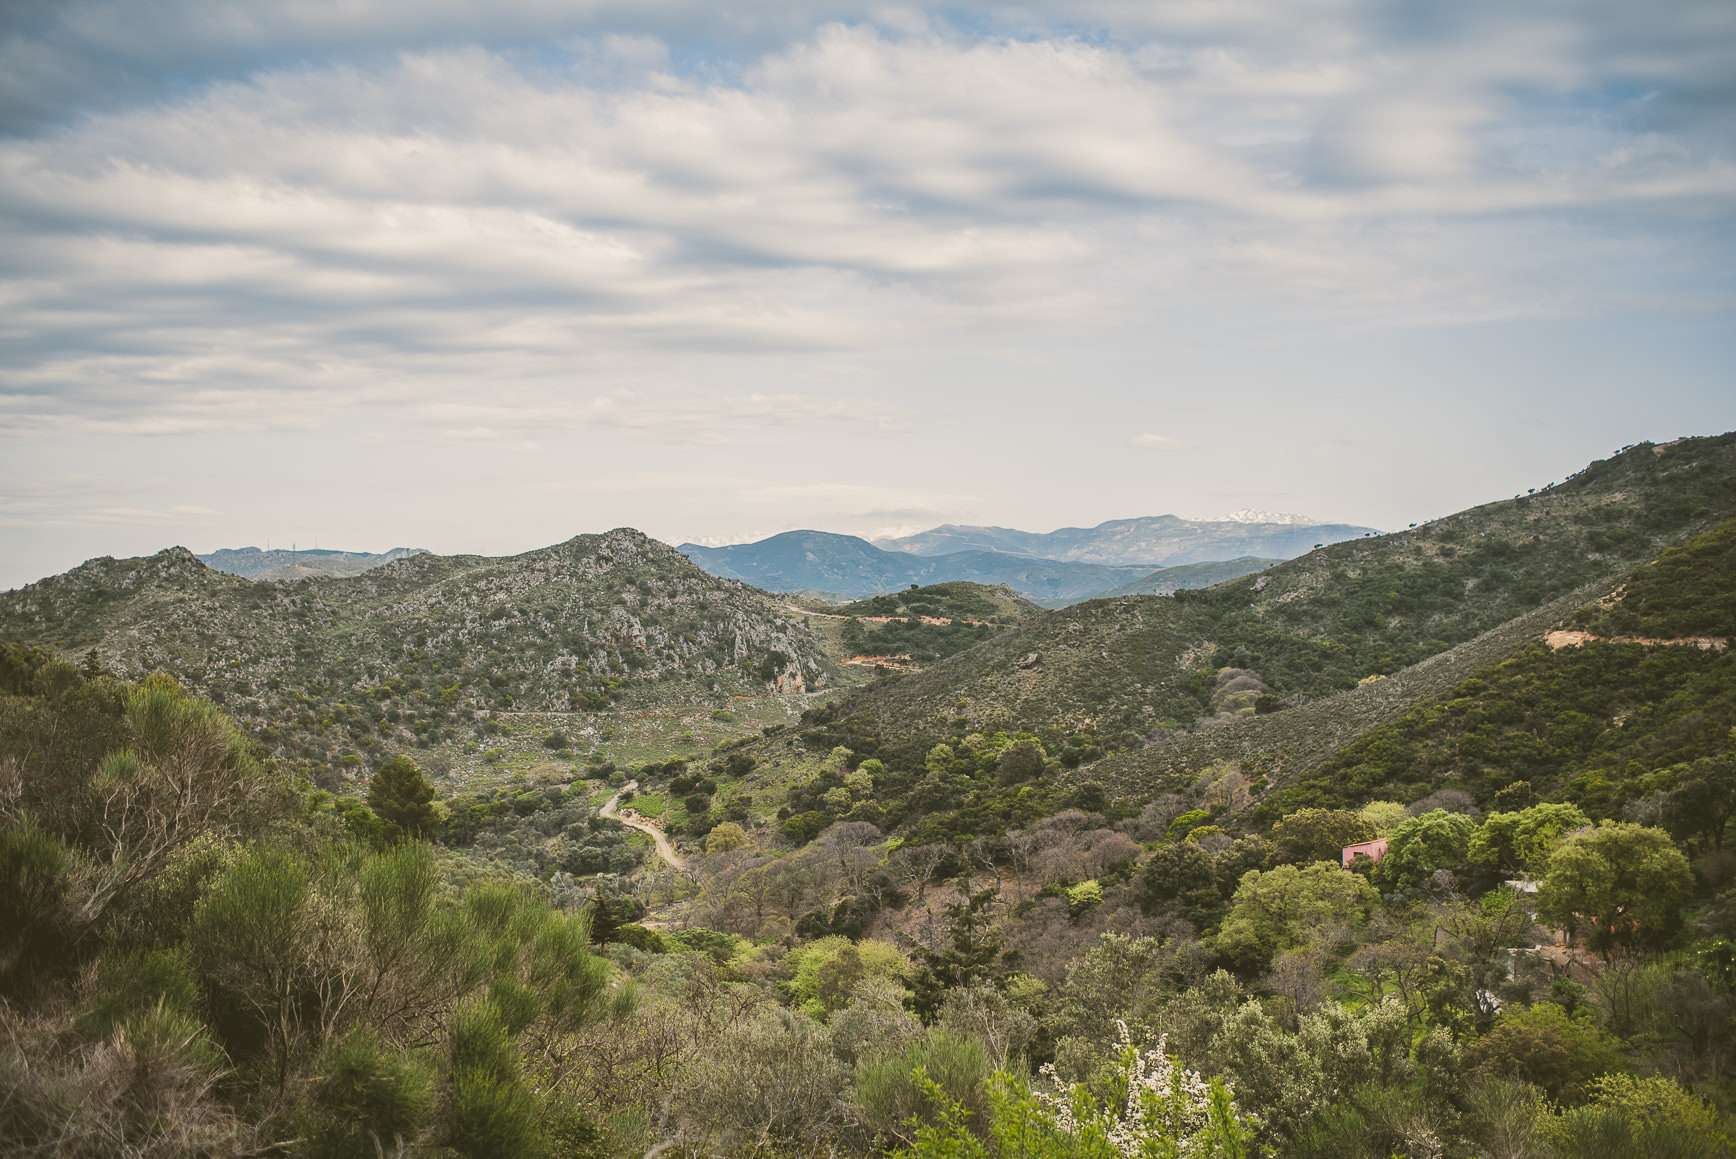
(922,625)
(1601,722)
(428,649)
(1183,577)
(1122,673)
(959,600)
(201,953)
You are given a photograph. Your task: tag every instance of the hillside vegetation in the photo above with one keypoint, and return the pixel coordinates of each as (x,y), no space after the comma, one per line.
(425,649)
(281,566)
(1600,723)
(924,624)
(998,927)
(1187,576)
(1140,669)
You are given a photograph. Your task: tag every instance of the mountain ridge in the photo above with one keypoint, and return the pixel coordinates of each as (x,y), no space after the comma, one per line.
(1119,673)
(1151,541)
(427,646)
(278,565)
(848,565)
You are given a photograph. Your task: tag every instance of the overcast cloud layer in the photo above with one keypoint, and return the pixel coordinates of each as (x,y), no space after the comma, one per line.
(483,276)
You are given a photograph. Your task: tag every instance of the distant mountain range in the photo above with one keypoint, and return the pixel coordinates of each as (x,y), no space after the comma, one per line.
(279,565)
(1152,541)
(846,565)
(1156,554)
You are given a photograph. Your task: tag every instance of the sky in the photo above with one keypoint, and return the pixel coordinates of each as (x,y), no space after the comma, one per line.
(480,275)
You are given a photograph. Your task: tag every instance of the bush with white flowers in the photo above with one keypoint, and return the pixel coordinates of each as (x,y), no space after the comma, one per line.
(1154,1110)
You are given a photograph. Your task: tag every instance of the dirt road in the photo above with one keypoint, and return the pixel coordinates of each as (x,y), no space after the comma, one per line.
(644,825)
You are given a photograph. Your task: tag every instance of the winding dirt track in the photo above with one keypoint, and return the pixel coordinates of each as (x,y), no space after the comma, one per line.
(644,825)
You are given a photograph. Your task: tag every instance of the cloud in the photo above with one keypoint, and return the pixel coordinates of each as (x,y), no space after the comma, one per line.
(1156,442)
(495,228)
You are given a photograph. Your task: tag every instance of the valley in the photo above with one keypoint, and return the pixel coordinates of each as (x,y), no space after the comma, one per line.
(940,815)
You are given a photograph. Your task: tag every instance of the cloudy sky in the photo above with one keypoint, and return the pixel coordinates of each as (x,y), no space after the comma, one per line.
(483,274)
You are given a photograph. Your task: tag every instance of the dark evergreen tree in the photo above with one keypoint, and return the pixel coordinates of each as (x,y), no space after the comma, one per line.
(403,800)
(972,955)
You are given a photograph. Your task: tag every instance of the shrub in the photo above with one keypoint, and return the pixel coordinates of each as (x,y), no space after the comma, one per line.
(365,1100)
(1546,1046)
(489,1113)
(725,837)
(897,1093)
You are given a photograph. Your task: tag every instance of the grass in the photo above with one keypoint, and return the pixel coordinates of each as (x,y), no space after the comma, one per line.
(649,804)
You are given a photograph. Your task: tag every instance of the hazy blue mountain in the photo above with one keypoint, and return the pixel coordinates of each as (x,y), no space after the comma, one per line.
(1152,541)
(277,564)
(820,561)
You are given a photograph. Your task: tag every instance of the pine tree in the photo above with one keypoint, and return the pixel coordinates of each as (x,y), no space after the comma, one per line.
(404,800)
(973,955)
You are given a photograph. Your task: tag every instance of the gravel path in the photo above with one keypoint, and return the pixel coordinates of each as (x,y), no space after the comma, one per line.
(645,825)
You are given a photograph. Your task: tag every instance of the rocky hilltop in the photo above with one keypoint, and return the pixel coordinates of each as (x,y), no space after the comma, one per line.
(280,565)
(415,649)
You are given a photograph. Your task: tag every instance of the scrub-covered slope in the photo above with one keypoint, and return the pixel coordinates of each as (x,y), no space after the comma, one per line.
(416,648)
(1126,672)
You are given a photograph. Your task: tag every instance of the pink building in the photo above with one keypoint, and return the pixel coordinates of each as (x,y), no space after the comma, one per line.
(1374,850)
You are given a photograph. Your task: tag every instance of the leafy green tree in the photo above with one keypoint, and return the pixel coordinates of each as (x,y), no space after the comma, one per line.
(1385,816)
(1183,875)
(1422,845)
(827,971)
(1639,1116)
(1289,906)
(1623,884)
(725,837)
(404,800)
(1508,842)
(1318,835)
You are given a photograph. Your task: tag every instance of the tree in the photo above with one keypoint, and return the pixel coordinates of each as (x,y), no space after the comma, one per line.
(1420,846)
(1522,840)
(1385,816)
(1704,800)
(1318,835)
(974,949)
(1624,884)
(725,837)
(1290,906)
(826,971)
(1547,1046)
(404,800)
(1182,874)
(1021,761)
